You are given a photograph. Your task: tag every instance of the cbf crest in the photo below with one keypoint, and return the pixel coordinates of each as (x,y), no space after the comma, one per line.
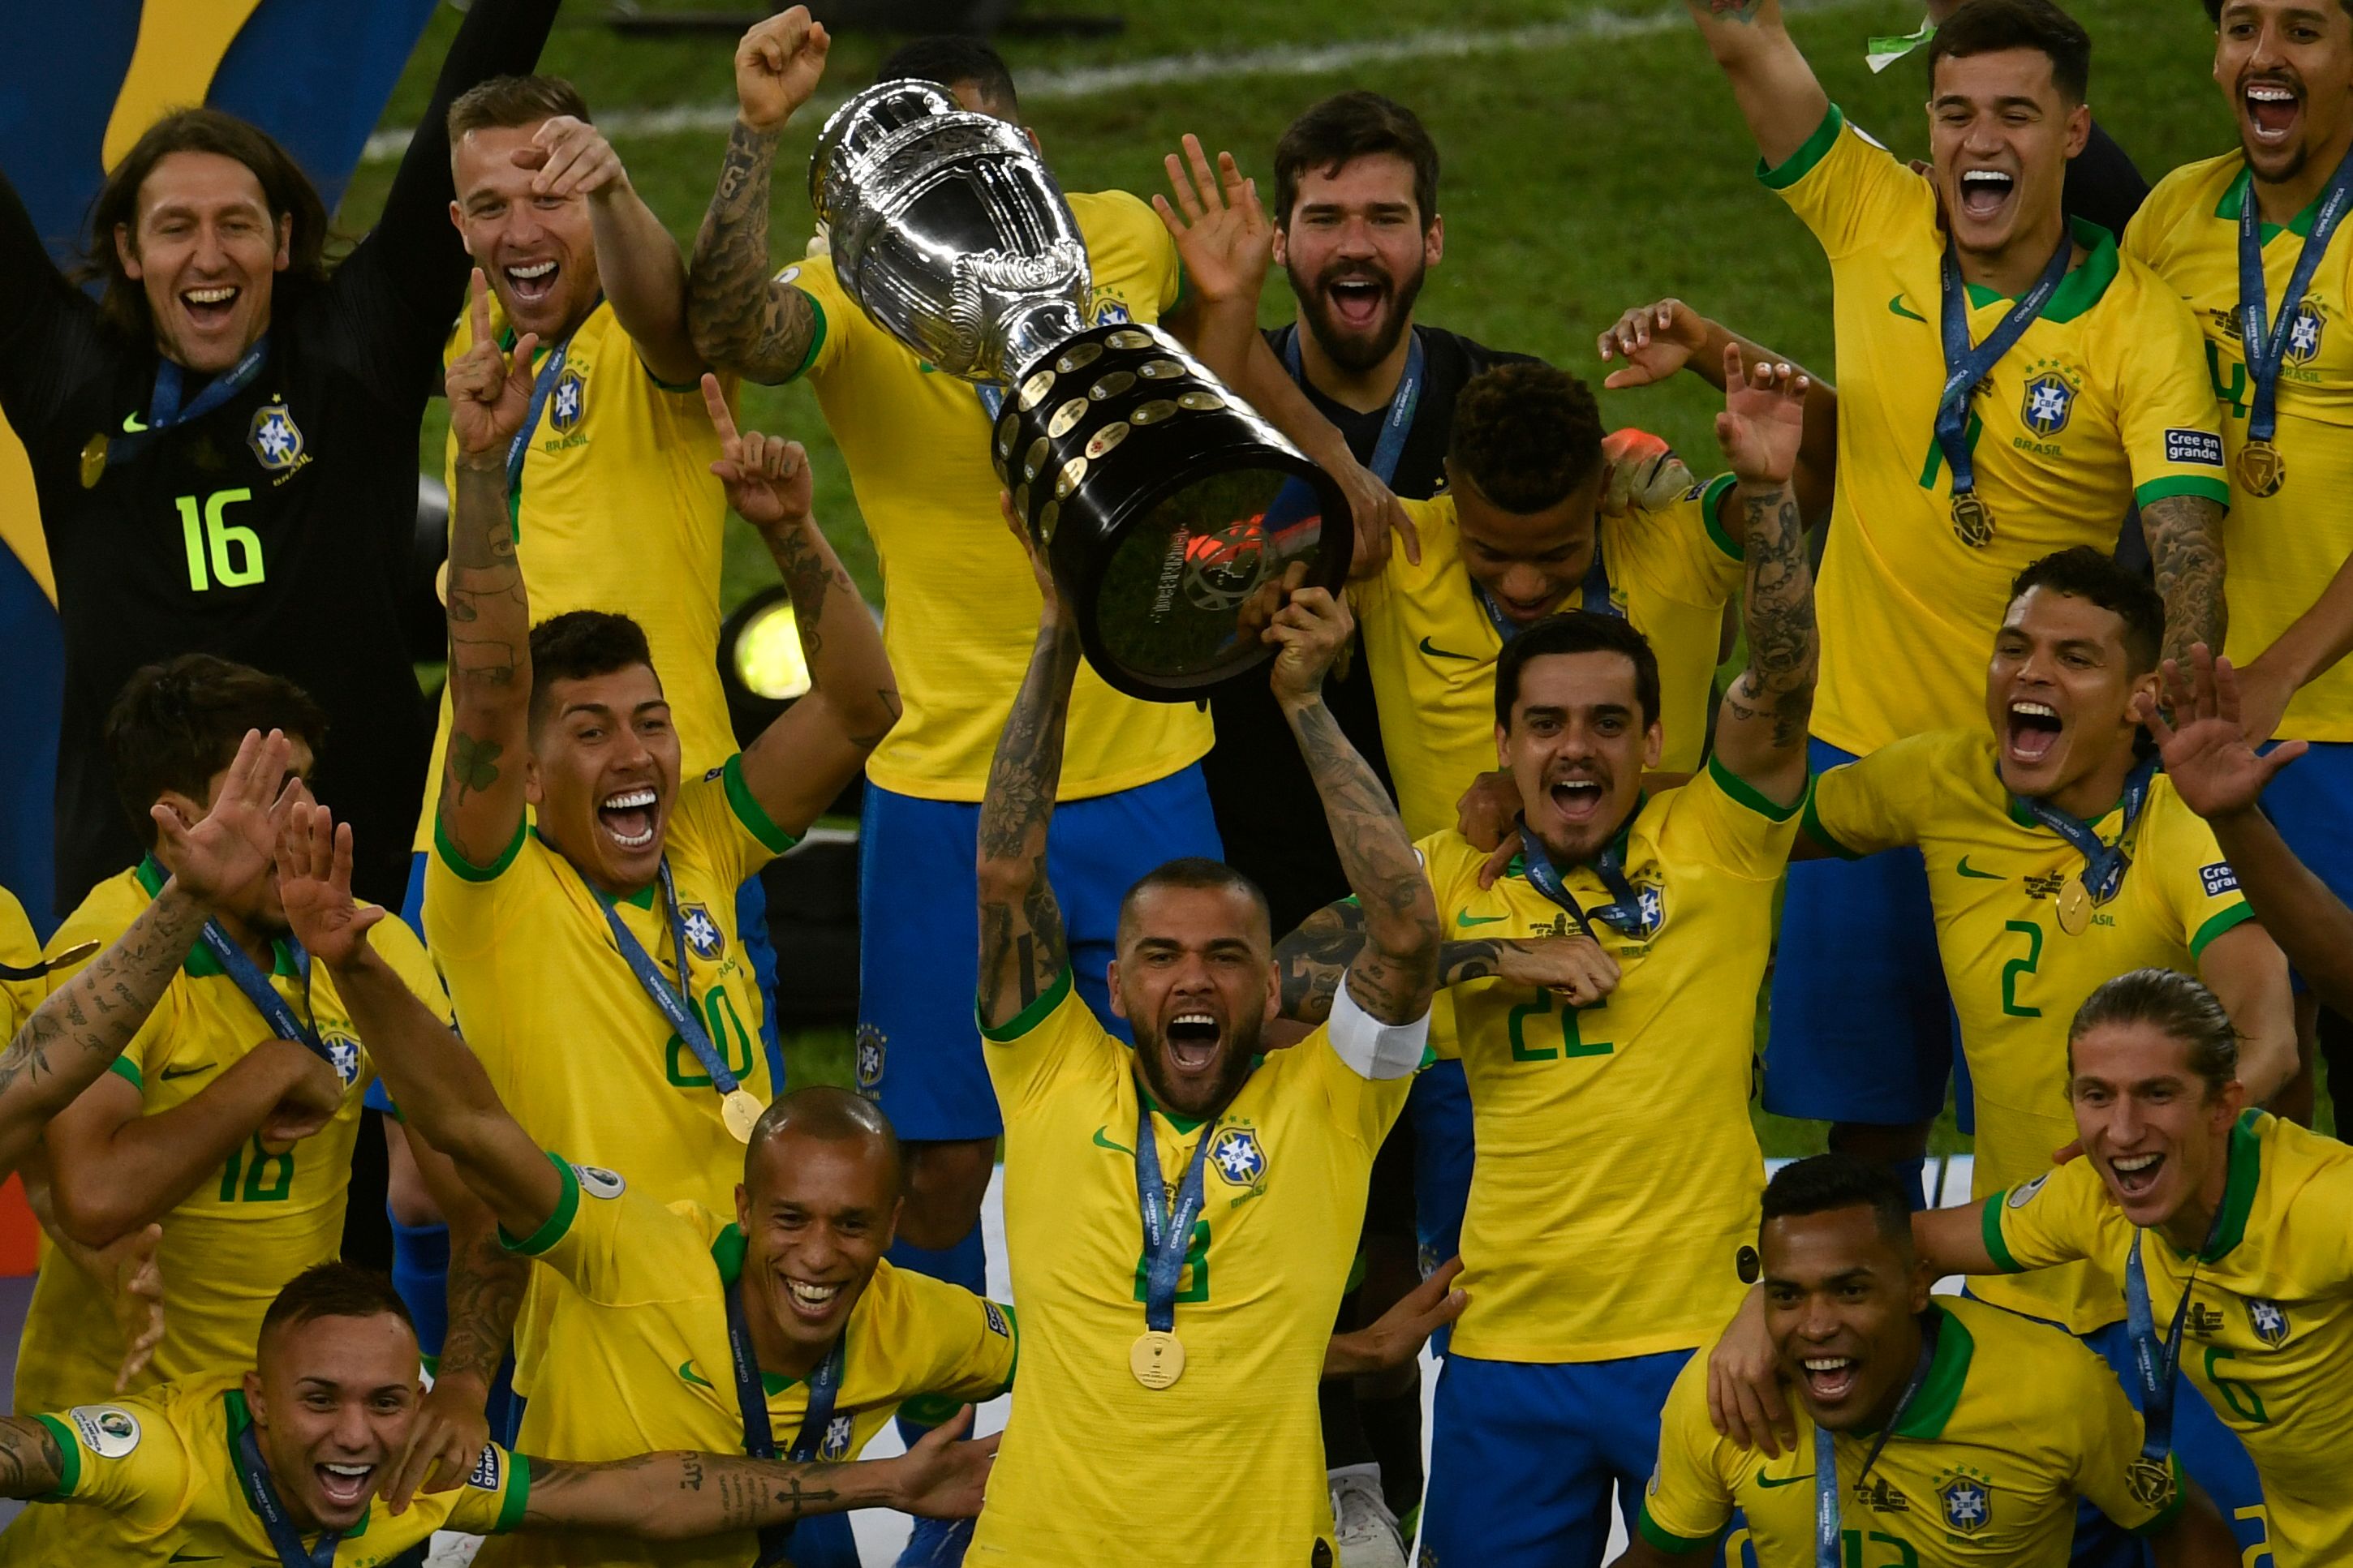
(2268,1320)
(839,1433)
(569,401)
(275,439)
(2303,337)
(1239,1158)
(344,1056)
(867,1056)
(1966,1503)
(703,937)
(2050,404)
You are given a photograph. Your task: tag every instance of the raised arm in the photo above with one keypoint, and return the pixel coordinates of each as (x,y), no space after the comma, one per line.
(741,319)
(482,804)
(2245,969)
(812,748)
(1023,950)
(30,1463)
(1771,78)
(636,261)
(2185,553)
(1393,976)
(2309,648)
(1760,732)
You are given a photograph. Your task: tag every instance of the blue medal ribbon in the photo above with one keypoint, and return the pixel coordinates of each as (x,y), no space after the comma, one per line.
(163,410)
(257,989)
(2158,1363)
(752,1403)
(675,1008)
(2266,340)
(1397,423)
(1166,1234)
(2104,864)
(542,387)
(1593,596)
(1623,914)
(276,1522)
(1966,366)
(1827,1549)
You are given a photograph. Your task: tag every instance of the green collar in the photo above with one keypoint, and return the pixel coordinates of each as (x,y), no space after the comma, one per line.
(1184,1125)
(642,899)
(1949,1369)
(727,1257)
(2083,287)
(1622,843)
(239,1418)
(2021,815)
(2246,1168)
(200,965)
(2233,205)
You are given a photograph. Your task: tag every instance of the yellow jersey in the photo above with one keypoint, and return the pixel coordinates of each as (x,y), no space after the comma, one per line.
(1618,1175)
(1994,878)
(960,609)
(576,1048)
(1231,1460)
(618,510)
(19,949)
(2269,1335)
(2014,1422)
(2103,403)
(1432,647)
(2282,547)
(638,1359)
(232,1244)
(154,1477)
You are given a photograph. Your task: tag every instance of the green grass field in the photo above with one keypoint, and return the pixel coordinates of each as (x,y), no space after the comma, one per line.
(1584,172)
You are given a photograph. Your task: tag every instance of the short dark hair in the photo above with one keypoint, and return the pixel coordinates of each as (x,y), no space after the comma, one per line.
(511,101)
(1527,435)
(335,1289)
(1989,26)
(579,644)
(2174,1004)
(830,1115)
(176,724)
(1349,126)
(2083,572)
(1577,631)
(286,190)
(1824,1184)
(1195,871)
(949,58)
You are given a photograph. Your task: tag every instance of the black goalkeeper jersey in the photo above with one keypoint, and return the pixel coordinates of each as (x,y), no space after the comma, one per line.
(274,529)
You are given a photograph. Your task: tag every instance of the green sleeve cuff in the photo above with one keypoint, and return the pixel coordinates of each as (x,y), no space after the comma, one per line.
(466,869)
(1996,1247)
(1029,1018)
(750,812)
(1710,502)
(2216,924)
(1801,163)
(1667,1540)
(817,334)
(1747,793)
(558,1223)
(2163,1518)
(1810,824)
(2216,490)
(68,1458)
(517,1500)
(127,1071)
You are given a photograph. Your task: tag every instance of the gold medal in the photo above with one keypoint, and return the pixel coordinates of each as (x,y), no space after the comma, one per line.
(1158,1359)
(741,1110)
(1972,521)
(2261,470)
(93,461)
(2075,908)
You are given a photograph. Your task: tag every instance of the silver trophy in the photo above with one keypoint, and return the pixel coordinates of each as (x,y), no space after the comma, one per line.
(1173,515)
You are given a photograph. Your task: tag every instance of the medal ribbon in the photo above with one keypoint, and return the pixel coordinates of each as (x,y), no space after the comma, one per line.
(1881,53)
(163,410)
(2266,340)
(1593,596)
(1966,366)
(1166,1235)
(256,986)
(683,1020)
(262,1493)
(1623,914)
(542,387)
(752,1403)
(1397,423)
(2156,1362)
(2104,864)
(1827,1551)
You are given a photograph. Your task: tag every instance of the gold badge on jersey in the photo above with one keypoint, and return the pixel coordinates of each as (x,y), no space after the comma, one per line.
(1158,1359)
(2262,470)
(93,461)
(1972,519)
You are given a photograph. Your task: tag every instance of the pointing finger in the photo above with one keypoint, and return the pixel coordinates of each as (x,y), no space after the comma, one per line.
(480,308)
(721,419)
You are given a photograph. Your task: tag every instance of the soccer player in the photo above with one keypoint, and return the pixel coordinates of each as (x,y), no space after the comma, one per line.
(1171,1364)
(286,1461)
(1605,994)
(1948,1433)
(2250,241)
(225,442)
(615,906)
(667,1299)
(2228,1225)
(2076,391)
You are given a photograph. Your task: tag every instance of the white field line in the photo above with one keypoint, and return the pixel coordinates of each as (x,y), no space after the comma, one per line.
(1166,71)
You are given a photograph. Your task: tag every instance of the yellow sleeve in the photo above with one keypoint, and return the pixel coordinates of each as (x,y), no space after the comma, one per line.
(836,317)
(730,824)
(2108,1449)
(1028,1051)
(2199,884)
(1720,818)
(406,955)
(464,916)
(491,1502)
(129,1458)
(18,949)
(1848,189)
(973,1346)
(1876,802)
(1699,559)
(2166,407)
(613,1244)
(2063,1215)
(1143,237)
(1688,1502)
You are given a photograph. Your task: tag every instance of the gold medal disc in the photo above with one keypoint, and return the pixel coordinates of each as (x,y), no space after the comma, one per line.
(2075,908)
(1156,1358)
(1972,521)
(94,462)
(2262,470)
(741,1110)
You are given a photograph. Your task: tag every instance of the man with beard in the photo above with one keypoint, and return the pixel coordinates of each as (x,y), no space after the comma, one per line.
(2250,240)
(2009,386)
(1177,1381)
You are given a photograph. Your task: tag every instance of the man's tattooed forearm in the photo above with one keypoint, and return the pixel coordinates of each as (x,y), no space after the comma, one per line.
(486,596)
(30,1462)
(1313,959)
(485,1294)
(1783,648)
(99,1010)
(1014,817)
(738,318)
(2185,550)
(1393,976)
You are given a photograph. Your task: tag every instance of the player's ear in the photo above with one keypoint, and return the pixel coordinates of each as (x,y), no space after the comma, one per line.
(1922,1279)
(1282,240)
(891,1222)
(1273,992)
(1111,979)
(532,792)
(285,256)
(744,1208)
(1654,744)
(1433,241)
(2079,129)
(254,1404)
(126,250)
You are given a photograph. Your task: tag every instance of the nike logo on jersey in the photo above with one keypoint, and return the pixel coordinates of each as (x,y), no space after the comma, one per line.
(1467,919)
(1896,307)
(1443,653)
(1966,869)
(168,1074)
(1103,1143)
(1784,1480)
(132,427)
(686,1371)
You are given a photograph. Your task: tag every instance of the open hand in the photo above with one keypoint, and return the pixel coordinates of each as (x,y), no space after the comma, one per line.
(1764,418)
(778,66)
(443,1444)
(1745,1400)
(1310,631)
(573,159)
(2207,755)
(1397,1336)
(127,1274)
(1654,341)
(1573,966)
(233,843)
(1222,233)
(946,1477)
(314,883)
(1489,812)
(490,390)
(767,477)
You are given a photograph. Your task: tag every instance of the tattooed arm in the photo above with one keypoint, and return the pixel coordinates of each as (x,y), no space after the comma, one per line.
(1313,958)
(740,320)
(1394,972)
(1775,87)
(30,1464)
(1761,733)
(2185,548)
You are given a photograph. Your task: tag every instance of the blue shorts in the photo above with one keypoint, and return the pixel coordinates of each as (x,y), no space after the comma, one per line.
(1440,1107)
(2311,803)
(1523,1459)
(1863,1030)
(918,1048)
